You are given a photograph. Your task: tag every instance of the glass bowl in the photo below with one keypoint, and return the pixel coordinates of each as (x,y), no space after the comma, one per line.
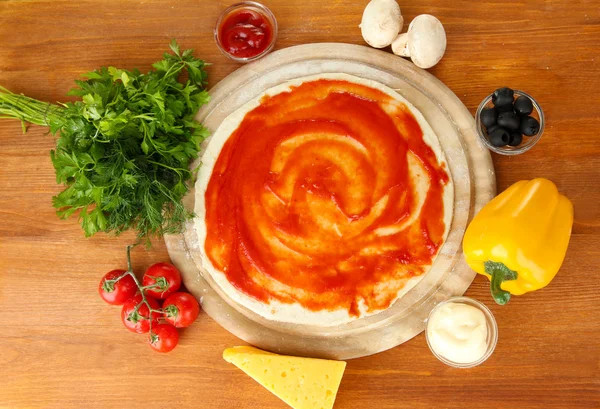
(528,141)
(492,331)
(258,8)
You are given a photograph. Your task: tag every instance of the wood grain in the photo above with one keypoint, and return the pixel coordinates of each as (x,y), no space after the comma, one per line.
(63,348)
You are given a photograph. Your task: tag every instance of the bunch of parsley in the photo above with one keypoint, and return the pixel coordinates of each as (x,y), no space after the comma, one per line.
(124,150)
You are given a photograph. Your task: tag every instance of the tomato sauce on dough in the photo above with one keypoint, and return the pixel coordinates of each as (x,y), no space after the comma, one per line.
(326,196)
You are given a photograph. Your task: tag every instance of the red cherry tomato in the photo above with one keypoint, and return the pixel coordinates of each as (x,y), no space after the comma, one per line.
(164,338)
(181,309)
(164,279)
(139,321)
(116,293)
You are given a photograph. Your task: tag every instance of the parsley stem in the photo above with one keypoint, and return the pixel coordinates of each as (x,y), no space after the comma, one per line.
(169,167)
(26,109)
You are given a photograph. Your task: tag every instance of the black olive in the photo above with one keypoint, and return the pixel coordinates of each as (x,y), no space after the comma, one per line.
(488,117)
(509,120)
(499,137)
(490,129)
(504,104)
(503,97)
(515,138)
(529,126)
(523,105)
(504,91)
(505,108)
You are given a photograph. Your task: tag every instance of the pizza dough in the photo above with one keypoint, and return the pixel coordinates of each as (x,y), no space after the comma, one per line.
(346,229)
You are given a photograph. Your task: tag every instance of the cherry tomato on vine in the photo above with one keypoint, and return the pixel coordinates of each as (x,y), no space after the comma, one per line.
(181,309)
(139,321)
(163,338)
(117,292)
(163,279)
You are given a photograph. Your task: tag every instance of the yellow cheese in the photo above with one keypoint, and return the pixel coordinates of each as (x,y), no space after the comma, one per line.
(302,383)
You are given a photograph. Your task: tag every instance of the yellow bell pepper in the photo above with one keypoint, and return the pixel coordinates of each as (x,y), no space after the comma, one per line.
(519,239)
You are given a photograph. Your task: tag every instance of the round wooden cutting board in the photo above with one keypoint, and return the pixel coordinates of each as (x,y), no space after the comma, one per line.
(474,185)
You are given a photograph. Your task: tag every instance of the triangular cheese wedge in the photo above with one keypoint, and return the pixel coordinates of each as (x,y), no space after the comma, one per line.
(302,383)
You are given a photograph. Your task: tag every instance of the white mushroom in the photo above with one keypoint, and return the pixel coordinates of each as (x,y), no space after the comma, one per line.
(424,43)
(381,22)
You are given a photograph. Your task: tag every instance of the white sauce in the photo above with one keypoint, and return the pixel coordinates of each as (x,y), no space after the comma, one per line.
(458,332)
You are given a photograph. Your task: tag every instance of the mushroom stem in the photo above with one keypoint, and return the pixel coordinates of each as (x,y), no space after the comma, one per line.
(399,45)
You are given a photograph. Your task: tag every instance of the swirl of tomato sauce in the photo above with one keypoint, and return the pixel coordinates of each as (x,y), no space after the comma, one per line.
(326,196)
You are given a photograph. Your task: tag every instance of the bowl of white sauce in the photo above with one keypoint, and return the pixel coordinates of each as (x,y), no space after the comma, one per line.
(461,332)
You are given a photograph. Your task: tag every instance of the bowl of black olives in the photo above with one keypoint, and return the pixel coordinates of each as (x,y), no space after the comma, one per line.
(509,122)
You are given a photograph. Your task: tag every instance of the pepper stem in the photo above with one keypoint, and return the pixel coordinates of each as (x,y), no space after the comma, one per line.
(499,273)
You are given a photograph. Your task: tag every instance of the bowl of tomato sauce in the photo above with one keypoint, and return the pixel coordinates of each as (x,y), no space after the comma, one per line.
(246,31)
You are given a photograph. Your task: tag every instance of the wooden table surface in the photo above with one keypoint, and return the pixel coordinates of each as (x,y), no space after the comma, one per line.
(62,347)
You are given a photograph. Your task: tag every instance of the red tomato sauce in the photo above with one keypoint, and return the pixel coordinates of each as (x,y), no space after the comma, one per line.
(301,187)
(245,33)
